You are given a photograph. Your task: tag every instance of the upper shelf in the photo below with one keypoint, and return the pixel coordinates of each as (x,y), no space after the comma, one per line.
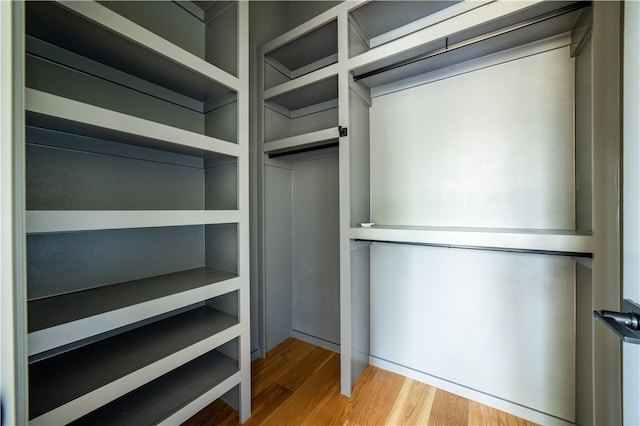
(557,241)
(378,22)
(71,116)
(312,51)
(100,34)
(464,36)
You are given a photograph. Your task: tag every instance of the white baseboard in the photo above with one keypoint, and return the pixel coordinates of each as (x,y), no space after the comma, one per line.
(471,394)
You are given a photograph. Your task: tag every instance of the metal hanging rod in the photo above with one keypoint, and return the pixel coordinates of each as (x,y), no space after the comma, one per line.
(449,48)
(301,150)
(486,248)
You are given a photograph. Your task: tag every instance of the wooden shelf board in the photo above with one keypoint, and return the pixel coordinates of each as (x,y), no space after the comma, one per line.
(511,239)
(78,381)
(39,221)
(206,378)
(67,115)
(94,31)
(59,320)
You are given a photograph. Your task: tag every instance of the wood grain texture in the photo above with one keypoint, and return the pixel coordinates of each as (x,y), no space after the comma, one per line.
(299,384)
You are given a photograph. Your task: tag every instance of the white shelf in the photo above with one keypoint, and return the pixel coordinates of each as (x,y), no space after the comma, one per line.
(405,47)
(463,48)
(58,113)
(121,43)
(301,31)
(192,387)
(68,386)
(120,103)
(310,89)
(312,51)
(39,221)
(59,320)
(510,239)
(401,19)
(306,140)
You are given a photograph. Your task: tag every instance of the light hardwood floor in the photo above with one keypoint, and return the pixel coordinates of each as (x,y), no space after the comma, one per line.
(299,384)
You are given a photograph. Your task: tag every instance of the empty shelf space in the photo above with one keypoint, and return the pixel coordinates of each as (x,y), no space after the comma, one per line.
(69,220)
(68,385)
(310,52)
(68,171)
(61,114)
(317,87)
(58,320)
(306,110)
(572,242)
(199,382)
(94,31)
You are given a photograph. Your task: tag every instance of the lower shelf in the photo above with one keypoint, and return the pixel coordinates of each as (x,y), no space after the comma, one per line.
(62,319)
(158,400)
(67,386)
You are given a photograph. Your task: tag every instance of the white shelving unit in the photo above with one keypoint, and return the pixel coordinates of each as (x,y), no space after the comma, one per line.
(298,133)
(300,87)
(464,133)
(137,210)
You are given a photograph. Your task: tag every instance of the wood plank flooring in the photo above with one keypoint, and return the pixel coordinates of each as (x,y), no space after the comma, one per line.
(299,384)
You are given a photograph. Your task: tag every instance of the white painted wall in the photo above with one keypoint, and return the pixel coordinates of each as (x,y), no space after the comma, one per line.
(500,323)
(490,148)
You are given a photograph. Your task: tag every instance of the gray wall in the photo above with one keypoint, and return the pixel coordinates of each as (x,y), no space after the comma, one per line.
(316,247)
(278,254)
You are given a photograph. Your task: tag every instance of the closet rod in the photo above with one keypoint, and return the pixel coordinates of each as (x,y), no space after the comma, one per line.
(448,48)
(485,248)
(301,150)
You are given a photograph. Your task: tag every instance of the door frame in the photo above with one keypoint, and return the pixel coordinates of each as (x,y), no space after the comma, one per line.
(631,203)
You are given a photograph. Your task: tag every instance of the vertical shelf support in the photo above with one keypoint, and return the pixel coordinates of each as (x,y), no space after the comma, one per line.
(12,218)
(243,206)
